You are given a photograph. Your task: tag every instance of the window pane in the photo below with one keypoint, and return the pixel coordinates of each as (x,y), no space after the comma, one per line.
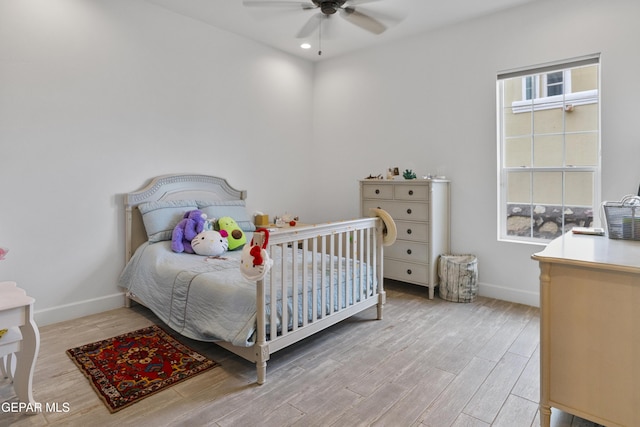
(582,149)
(548,120)
(582,118)
(519,221)
(548,150)
(517,152)
(554,78)
(584,78)
(516,124)
(512,91)
(519,187)
(579,189)
(529,88)
(547,188)
(555,83)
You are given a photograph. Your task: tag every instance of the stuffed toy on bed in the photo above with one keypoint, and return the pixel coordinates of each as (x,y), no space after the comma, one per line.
(255,261)
(236,236)
(184,232)
(210,243)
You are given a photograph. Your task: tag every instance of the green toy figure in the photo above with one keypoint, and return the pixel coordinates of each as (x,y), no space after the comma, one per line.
(235,235)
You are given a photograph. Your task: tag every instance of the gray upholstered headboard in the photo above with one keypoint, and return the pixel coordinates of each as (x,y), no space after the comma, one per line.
(171,187)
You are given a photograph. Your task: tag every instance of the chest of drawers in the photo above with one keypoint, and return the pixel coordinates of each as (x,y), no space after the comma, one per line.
(420,209)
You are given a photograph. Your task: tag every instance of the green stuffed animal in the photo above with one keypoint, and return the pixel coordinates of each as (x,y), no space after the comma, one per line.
(235,235)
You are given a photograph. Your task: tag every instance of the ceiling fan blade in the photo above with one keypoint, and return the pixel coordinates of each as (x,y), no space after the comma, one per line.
(386,19)
(310,26)
(358,2)
(273,3)
(363,21)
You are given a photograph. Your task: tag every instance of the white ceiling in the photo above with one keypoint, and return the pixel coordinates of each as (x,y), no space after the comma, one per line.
(278,26)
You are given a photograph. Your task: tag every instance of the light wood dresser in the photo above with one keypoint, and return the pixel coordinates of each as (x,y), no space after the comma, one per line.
(590,329)
(420,209)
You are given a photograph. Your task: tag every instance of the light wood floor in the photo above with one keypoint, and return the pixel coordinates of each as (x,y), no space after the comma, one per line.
(427,363)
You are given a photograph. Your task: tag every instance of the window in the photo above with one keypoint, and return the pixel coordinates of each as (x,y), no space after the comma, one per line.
(555,83)
(528,85)
(548,149)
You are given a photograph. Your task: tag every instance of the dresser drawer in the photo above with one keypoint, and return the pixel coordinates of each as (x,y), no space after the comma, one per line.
(399,210)
(408,251)
(373,191)
(414,231)
(406,271)
(411,192)
(409,211)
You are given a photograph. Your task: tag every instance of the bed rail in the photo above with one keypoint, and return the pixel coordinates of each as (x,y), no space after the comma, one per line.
(335,271)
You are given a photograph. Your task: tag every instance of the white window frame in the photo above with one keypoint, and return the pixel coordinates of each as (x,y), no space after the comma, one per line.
(566,86)
(566,83)
(566,100)
(536,82)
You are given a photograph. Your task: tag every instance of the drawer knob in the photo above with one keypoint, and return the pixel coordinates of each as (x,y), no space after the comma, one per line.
(409,211)
(377,191)
(411,192)
(409,251)
(409,231)
(408,271)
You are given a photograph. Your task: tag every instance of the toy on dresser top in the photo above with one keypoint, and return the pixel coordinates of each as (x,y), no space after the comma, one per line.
(286,219)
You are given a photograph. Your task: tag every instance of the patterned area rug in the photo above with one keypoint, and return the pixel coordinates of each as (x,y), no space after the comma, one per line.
(130,367)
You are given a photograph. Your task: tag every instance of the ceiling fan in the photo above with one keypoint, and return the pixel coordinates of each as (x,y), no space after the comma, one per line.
(344,8)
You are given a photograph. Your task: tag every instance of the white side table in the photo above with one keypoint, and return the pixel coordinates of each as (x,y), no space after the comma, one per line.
(16,311)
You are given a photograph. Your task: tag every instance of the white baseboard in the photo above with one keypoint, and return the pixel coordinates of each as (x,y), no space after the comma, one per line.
(75,310)
(78,309)
(509,294)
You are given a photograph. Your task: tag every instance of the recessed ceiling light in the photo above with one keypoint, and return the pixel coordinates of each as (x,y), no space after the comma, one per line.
(305,46)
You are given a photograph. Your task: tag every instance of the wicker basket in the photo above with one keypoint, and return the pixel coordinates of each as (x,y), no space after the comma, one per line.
(623,218)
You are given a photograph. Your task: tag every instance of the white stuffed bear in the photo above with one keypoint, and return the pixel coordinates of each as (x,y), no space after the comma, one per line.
(210,243)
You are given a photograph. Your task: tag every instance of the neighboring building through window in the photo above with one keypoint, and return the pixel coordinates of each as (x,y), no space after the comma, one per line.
(549,149)
(555,83)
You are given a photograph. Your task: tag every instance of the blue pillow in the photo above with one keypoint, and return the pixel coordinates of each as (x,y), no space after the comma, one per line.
(236,209)
(160,218)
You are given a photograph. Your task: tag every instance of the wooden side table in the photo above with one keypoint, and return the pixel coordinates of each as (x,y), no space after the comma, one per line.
(16,311)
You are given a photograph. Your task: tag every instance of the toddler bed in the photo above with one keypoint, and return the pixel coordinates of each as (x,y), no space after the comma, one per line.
(321,273)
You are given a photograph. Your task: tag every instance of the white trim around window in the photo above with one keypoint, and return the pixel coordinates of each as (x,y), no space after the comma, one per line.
(558,101)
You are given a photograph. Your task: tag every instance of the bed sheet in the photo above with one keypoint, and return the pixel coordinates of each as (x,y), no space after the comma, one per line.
(207,299)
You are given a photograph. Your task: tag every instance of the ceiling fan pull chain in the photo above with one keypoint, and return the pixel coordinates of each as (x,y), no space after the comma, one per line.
(320,45)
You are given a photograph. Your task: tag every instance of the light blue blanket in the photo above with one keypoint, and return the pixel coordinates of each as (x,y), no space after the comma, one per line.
(207,299)
(201,298)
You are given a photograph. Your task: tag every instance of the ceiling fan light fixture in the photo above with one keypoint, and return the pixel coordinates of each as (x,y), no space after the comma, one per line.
(346,9)
(329,7)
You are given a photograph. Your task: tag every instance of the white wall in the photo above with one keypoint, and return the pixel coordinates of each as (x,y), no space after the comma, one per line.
(428,104)
(98,96)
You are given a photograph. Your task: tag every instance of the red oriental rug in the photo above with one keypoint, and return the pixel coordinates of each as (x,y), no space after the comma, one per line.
(130,367)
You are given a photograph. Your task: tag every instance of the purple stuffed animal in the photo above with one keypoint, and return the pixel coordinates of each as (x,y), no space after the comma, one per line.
(189,227)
